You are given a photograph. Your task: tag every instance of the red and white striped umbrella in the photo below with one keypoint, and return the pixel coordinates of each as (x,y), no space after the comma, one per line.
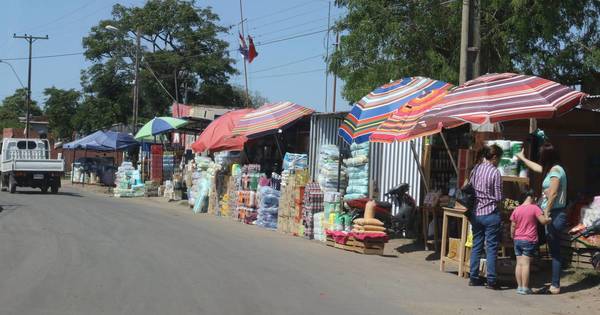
(499,97)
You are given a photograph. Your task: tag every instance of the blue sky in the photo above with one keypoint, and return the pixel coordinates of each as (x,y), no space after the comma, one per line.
(286,70)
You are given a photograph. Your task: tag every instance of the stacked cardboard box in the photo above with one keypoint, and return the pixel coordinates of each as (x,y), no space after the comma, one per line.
(286,205)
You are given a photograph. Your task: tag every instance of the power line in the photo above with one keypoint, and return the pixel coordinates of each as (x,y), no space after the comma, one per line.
(290,38)
(35,28)
(285,19)
(287,64)
(280,11)
(46,56)
(289,74)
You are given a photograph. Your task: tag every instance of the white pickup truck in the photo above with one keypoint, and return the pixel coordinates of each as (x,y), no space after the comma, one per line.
(27,163)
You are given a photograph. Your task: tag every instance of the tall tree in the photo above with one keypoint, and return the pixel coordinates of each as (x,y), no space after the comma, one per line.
(60,107)
(385,40)
(180,45)
(15,106)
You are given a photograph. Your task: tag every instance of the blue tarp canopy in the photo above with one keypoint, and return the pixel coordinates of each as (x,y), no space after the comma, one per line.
(116,140)
(103,141)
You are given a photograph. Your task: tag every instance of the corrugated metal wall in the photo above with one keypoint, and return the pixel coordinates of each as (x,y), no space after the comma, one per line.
(392,164)
(323,130)
(389,164)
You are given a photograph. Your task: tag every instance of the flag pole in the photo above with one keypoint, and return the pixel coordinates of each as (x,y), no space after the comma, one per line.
(243,57)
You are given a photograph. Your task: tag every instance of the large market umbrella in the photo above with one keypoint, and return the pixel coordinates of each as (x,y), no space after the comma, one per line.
(404,125)
(218,137)
(159,125)
(498,97)
(269,118)
(373,109)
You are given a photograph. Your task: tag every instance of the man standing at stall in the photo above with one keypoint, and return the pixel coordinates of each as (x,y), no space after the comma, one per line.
(486,221)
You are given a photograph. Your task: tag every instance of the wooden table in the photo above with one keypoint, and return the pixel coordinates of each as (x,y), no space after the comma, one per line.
(458,214)
(432,211)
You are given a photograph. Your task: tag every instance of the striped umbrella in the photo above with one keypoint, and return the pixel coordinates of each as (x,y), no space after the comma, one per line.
(373,109)
(269,118)
(501,97)
(403,123)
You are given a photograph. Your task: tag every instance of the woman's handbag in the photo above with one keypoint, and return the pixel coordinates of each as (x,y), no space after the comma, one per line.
(466,196)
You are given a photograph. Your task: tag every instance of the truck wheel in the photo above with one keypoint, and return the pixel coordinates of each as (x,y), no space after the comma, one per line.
(44,189)
(54,189)
(2,184)
(12,185)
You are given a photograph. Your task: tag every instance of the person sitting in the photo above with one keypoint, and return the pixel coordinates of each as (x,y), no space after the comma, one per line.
(523,230)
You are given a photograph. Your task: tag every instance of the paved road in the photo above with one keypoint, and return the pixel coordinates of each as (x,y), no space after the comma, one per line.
(84,253)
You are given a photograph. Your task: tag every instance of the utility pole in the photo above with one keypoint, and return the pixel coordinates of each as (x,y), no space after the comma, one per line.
(30,39)
(337,44)
(327,55)
(136,87)
(470,41)
(247,100)
(464,42)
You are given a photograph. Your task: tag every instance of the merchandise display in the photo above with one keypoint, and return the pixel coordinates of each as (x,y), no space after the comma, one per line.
(247,184)
(268,207)
(312,203)
(329,171)
(509,164)
(357,167)
(128,182)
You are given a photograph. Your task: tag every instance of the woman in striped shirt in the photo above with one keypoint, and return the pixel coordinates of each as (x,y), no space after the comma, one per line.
(486,221)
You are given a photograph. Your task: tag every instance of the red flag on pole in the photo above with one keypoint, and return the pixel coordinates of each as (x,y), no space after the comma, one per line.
(252,53)
(243,48)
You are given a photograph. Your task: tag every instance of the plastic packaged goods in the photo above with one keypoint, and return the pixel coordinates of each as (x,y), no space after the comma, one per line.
(268,207)
(295,161)
(358,171)
(127,181)
(331,173)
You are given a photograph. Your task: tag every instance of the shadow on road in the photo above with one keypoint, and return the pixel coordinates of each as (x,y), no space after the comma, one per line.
(60,193)
(586,280)
(6,209)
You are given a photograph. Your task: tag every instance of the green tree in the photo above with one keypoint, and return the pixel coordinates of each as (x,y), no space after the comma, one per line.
(384,40)
(60,107)
(179,44)
(15,106)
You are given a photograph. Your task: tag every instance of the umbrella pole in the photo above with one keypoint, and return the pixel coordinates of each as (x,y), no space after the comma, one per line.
(278,146)
(416,157)
(72,164)
(339,178)
(85,156)
(449,153)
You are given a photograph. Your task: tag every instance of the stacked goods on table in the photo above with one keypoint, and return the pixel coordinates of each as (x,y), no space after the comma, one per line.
(286,204)
(290,213)
(213,198)
(312,203)
(319,226)
(332,207)
(295,161)
(127,181)
(151,189)
(268,207)
(329,169)
(246,196)
(357,167)
(367,235)
(276,181)
(201,183)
